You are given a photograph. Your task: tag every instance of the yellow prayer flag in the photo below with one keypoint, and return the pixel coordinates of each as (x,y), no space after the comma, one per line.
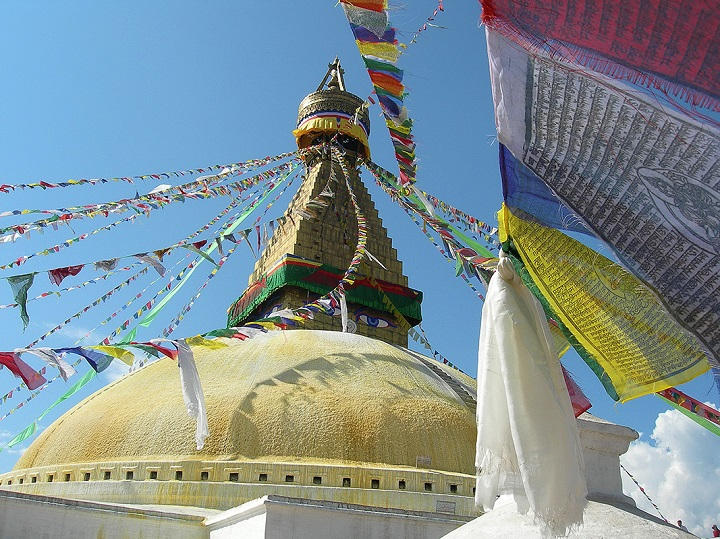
(385,51)
(115,351)
(610,312)
(199,340)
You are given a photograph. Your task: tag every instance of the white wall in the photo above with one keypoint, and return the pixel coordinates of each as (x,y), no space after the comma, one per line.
(23,515)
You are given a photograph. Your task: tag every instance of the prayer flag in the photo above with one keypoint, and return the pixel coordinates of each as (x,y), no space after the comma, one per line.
(20,284)
(19,368)
(50,356)
(58,274)
(654,43)
(617,325)
(86,378)
(97,360)
(641,176)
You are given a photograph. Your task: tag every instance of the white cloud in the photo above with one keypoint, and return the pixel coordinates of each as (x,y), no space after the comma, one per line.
(19,451)
(115,371)
(680,470)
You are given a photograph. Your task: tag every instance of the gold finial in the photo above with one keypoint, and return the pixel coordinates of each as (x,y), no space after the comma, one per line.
(335,72)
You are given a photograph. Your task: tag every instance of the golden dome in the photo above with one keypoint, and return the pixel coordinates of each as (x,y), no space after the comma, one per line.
(305,396)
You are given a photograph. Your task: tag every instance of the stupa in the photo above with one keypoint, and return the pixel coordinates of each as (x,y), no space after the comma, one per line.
(350,420)
(314,432)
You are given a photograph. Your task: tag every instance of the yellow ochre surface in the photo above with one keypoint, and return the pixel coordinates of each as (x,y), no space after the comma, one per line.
(288,395)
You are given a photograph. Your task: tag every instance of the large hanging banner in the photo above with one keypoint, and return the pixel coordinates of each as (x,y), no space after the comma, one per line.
(671,46)
(642,178)
(616,323)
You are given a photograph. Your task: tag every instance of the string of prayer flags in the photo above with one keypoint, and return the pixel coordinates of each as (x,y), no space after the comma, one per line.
(147,306)
(67,243)
(20,284)
(644,493)
(56,248)
(468,253)
(702,414)
(77,386)
(252,163)
(111,264)
(70,288)
(669,46)
(444,254)
(28,431)
(125,306)
(12,361)
(379,49)
(640,176)
(150,304)
(428,22)
(174,323)
(612,320)
(12,392)
(473,223)
(95,303)
(140,208)
(152,314)
(32,395)
(140,204)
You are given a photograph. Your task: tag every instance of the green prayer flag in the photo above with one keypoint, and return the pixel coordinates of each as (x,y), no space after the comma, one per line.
(458,265)
(23,435)
(130,337)
(201,253)
(70,392)
(712,427)
(20,284)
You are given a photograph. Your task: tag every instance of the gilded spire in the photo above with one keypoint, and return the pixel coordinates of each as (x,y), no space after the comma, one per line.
(312,246)
(335,72)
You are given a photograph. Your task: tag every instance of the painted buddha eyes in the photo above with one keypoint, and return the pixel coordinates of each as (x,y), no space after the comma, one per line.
(373,321)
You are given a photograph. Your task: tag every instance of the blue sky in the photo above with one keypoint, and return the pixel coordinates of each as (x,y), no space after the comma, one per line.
(99,88)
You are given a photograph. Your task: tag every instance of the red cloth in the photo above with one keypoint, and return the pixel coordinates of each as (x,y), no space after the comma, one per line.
(172,354)
(21,369)
(58,274)
(676,40)
(580,402)
(372,5)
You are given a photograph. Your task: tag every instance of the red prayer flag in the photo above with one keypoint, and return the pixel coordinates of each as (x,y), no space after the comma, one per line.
(172,354)
(58,274)
(580,402)
(21,369)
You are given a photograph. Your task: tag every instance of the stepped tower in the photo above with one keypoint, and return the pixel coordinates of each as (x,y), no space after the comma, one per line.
(311,248)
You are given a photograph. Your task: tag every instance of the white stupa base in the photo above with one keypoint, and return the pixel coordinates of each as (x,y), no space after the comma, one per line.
(602,520)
